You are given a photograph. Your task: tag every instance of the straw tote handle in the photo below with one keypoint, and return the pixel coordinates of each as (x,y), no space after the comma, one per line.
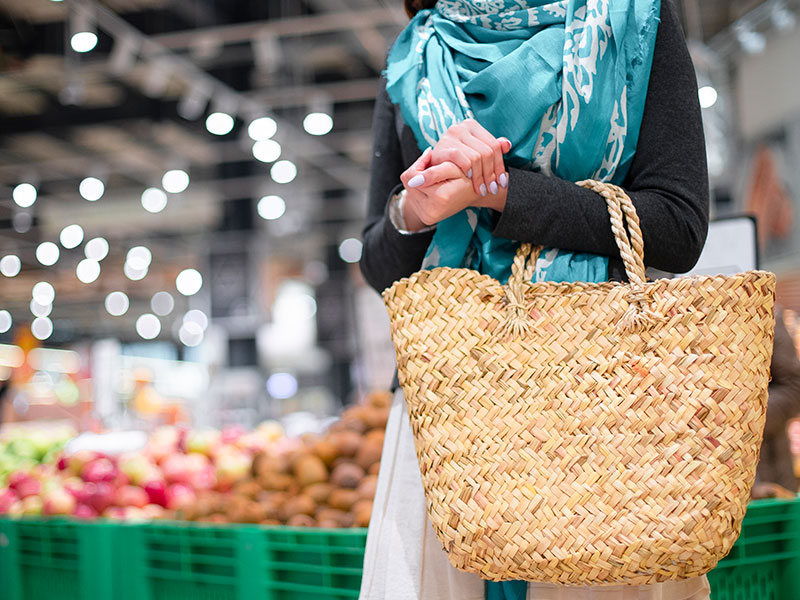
(631,249)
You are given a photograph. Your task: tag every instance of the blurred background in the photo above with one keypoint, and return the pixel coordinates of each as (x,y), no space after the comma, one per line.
(182,191)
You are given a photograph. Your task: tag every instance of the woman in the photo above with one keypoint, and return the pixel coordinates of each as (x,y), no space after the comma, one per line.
(512,101)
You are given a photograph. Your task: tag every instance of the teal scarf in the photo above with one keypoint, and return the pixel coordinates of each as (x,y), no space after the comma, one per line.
(565,81)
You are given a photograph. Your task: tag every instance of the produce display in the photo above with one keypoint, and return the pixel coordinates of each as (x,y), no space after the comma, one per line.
(228,476)
(22,447)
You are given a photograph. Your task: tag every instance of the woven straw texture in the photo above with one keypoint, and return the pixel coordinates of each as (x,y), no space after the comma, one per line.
(585,433)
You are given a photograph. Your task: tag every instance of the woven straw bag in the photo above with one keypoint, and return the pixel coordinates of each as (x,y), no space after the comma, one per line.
(585,433)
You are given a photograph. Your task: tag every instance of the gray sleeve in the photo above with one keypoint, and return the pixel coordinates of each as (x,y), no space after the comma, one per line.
(388,255)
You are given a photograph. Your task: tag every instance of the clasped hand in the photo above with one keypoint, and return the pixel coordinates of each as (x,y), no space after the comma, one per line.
(464,168)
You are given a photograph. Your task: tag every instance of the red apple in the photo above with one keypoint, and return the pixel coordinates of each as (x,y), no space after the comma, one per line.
(15,510)
(179,496)
(156,492)
(25,486)
(205,479)
(131,495)
(175,468)
(101,495)
(232,466)
(153,511)
(136,466)
(205,442)
(231,433)
(79,459)
(32,506)
(163,442)
(62,464)
(100,469)
(7,498)
(59,502)
(115,513)
(84,511)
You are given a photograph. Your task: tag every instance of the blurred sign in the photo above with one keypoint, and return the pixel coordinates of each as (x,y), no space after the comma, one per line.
(731,247)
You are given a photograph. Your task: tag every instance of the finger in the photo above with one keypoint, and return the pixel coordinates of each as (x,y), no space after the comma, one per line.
(497,167)
(468,143)
(443,172)
(412,174)
(487,160)
(460,156)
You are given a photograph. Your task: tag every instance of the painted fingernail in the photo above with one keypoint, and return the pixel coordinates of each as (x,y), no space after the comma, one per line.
(503,179)
(493,187)
(416,181)
(469,173)
(483,189)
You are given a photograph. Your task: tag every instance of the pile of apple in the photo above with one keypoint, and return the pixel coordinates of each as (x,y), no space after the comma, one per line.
(166,476)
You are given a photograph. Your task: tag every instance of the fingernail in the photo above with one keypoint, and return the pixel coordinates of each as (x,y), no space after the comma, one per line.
(483,189)
(416,181)
(503,179)
(427,151)
(469,174)
(493,187)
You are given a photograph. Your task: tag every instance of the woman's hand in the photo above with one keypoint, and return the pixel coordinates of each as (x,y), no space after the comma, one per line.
(477,153)
(444,192)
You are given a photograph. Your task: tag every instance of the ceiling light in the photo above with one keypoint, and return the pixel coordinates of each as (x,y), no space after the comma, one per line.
(190,334)
(148,326)
(782,18)
(24,195)
(139,257)
(133,273)
(189,282)
(708,96)
(96,249)
(88,270)
(283,171)
(40,310)
(318,123)
(42,328)
(91,189)
(262,128)
(266,150)
(5,321)
(350,250)
(83,41)
(47,253)
(175,181)
(10,265)
(43,293)
(117,304)
(271,207)
(752,42)
(198,317)
(219,123)
(282,385)
(71,236)
(154,200)
(162,303)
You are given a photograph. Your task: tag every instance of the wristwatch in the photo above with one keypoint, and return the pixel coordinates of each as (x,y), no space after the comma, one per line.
(396,215)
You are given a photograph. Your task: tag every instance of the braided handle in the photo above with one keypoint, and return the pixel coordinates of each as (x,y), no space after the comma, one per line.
(631,249)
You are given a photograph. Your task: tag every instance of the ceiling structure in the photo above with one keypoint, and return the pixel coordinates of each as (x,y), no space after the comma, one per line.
(114,113)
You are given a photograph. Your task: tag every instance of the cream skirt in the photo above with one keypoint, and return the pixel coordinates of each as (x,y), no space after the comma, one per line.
(405,561)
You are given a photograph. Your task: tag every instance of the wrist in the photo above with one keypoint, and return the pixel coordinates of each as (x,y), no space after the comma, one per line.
(497,201)
(412,220)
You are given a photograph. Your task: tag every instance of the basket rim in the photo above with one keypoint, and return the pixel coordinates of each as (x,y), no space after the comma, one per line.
(558,288)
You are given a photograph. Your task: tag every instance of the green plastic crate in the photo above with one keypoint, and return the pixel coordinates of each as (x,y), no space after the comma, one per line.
(764,564)
(67,560)
(314,564)
(49,560)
